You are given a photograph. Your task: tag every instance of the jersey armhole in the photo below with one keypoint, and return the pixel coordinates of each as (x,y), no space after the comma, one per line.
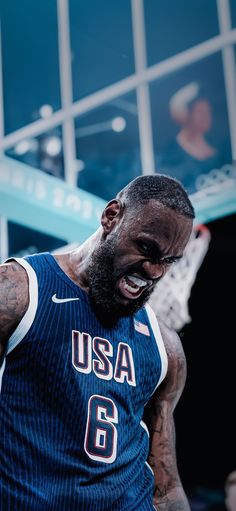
(160,344)
(28,318)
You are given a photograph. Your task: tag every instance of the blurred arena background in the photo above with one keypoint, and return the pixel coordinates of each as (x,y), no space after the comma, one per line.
(94,93)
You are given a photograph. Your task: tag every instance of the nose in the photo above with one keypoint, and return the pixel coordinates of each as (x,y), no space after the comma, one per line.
(154,270)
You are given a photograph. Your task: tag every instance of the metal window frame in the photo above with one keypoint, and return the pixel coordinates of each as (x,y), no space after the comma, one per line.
(138,82)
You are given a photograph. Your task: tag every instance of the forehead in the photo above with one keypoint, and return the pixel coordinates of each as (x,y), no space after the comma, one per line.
(154,214)
(159,222)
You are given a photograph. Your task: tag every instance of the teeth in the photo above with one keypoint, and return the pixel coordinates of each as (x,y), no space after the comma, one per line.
(138,282)
(130,288)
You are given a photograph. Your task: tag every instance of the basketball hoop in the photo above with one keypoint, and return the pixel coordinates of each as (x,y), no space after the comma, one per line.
(170,298)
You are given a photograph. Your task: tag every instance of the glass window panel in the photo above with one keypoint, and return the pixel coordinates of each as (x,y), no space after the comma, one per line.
(108,147)
(30,60)
(101,41)
(24,241)
(174,26)
(233,12)
(190,122)
(44,152)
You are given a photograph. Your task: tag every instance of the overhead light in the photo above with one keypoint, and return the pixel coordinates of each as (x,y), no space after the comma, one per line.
(22,147)
(79,165)
(118,124)
(52,146)
(45,111)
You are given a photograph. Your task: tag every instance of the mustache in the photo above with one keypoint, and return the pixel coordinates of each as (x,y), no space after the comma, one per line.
(135,268)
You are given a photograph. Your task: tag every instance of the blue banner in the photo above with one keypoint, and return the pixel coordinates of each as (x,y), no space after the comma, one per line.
(45,203)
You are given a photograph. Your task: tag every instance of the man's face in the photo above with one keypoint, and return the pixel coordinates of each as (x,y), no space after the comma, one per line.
(200,116)
(133,257)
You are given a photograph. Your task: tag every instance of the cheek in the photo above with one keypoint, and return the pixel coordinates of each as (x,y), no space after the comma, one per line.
(124,253)
(124,262)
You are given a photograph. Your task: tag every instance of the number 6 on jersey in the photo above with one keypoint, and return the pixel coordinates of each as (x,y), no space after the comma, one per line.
(100,441)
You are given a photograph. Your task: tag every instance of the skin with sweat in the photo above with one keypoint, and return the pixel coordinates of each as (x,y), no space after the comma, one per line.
(125,258)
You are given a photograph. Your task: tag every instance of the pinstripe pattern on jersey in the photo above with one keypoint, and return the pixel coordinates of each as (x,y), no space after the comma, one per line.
(45,405)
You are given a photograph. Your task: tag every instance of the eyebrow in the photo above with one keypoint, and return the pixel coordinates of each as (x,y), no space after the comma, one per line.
(154,246)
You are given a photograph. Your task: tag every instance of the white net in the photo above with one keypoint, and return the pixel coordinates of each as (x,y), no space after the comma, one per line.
(216,179)
(170,298)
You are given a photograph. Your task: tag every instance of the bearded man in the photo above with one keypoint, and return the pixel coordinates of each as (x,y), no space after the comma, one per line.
(84,357)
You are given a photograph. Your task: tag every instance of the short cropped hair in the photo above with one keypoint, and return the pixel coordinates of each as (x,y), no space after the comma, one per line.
(165,189)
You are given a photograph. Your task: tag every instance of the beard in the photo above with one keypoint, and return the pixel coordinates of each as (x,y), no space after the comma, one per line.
(102,277)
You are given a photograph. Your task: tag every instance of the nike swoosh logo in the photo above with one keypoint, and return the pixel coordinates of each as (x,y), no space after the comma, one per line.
(62,300)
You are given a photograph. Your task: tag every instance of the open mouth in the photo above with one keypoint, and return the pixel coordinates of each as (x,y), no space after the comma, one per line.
(131,286)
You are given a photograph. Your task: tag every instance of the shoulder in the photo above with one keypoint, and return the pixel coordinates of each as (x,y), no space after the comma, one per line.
(172,342)
(14,296)
(12,274)
(170,338)
(174,381)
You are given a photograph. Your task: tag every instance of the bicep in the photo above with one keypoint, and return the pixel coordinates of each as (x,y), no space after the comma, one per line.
(160,409)
(160,419)
(13,299)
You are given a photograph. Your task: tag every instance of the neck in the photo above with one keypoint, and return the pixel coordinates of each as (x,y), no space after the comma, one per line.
(79,258)
(190,134)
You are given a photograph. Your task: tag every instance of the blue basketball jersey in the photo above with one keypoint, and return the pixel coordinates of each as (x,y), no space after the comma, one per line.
(72,400)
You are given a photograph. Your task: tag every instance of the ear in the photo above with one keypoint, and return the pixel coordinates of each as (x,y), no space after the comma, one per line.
(111,215)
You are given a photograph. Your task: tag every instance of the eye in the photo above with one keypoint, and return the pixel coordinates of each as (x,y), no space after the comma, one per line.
(144,247)
(170,260)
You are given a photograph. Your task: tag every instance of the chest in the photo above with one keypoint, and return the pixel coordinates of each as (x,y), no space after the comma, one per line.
(71,351)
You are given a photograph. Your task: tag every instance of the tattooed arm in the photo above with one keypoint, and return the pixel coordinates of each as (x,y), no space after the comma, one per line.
(14,299)
(168,493)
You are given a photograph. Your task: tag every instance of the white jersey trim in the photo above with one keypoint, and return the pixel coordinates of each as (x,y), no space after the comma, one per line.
(160,344)
(144,426)
(2,371)
(150,468)
(28,318)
